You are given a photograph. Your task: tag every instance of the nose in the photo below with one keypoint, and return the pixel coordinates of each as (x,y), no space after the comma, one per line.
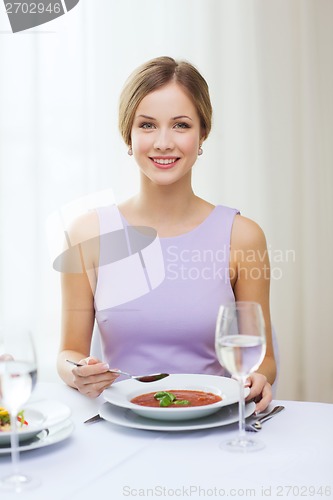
(163,140)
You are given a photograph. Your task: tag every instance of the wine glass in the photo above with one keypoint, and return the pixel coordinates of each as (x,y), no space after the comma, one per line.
(18,376)
(240,345)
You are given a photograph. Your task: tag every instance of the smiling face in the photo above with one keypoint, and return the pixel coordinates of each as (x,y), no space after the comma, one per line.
(166,134)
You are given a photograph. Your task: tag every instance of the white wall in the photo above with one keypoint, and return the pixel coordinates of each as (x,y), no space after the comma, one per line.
(270,71)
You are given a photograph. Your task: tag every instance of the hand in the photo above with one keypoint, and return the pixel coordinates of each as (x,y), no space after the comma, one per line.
(6,357)
(92,378)
(260,391)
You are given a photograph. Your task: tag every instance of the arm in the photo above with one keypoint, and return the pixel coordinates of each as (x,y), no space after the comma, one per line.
(78,316)
(250,269)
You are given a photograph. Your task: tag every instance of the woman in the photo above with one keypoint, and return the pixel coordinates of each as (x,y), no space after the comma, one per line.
(165,116)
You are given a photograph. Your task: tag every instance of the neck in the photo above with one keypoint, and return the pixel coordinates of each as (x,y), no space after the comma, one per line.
(161,202)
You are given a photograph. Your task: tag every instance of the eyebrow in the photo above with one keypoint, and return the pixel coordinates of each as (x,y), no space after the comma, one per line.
(174,118)
(181,116)
(146,117)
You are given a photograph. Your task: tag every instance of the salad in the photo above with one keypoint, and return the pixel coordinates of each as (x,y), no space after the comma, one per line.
(5,419)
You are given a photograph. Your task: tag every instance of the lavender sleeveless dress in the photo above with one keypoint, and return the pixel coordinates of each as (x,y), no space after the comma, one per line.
(171,327)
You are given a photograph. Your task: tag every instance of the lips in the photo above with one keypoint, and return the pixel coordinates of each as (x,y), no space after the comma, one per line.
(164,162)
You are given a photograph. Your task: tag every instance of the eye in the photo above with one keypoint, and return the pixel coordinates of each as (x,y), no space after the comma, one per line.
(182,125)
(147,125)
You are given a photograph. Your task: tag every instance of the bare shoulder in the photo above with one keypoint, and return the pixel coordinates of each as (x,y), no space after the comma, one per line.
(247,234)
(84,228)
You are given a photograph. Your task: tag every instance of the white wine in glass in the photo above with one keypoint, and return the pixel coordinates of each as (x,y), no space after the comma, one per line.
(240,345)
(18,376)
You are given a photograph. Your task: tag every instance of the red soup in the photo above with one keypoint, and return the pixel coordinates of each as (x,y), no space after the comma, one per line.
(193,398)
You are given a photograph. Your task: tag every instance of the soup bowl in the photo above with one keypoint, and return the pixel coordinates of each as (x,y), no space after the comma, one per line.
(122,393)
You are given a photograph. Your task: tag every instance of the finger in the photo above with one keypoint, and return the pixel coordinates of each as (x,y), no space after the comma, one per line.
(265,400)
(254,387)
(257,382)
(6,357)
(94,383)
(103,378)
(89,360)
(93,389)
(91,369)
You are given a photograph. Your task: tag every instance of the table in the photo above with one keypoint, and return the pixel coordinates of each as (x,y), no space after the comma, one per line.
(103,460)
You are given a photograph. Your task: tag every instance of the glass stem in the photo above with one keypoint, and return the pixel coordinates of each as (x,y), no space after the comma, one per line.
(14,441)
(241,423)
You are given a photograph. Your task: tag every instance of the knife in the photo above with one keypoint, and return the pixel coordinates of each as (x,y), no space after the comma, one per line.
(95,418)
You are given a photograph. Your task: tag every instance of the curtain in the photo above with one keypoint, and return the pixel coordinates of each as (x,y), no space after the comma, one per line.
(270,70)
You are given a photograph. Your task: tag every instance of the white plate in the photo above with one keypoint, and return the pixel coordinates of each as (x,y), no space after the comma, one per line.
(35,420)
(55,411)
(46,437)
(47,412)
(121,393)
(126,418)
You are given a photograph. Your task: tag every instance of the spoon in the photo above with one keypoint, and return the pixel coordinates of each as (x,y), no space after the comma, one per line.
(140,378)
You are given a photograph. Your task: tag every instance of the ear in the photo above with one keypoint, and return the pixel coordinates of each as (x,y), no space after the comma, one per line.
(203,136)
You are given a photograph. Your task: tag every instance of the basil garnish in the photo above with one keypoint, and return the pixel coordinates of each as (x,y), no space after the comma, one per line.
(181,402)
(167,399)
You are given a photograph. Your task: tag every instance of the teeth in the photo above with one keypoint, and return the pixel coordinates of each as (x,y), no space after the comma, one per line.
(164,161)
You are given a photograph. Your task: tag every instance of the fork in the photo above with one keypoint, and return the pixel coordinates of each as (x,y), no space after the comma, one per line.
(256,426)
(141,378)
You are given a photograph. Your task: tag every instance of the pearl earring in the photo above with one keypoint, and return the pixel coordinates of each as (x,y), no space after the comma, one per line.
(200,151)
(130,152)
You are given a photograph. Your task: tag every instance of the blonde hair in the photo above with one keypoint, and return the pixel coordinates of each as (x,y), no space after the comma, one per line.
(155,74)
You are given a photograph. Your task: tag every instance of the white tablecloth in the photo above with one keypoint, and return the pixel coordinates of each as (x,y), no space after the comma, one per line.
(103,460)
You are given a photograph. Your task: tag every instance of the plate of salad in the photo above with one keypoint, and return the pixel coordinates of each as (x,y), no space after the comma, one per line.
(29,423)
